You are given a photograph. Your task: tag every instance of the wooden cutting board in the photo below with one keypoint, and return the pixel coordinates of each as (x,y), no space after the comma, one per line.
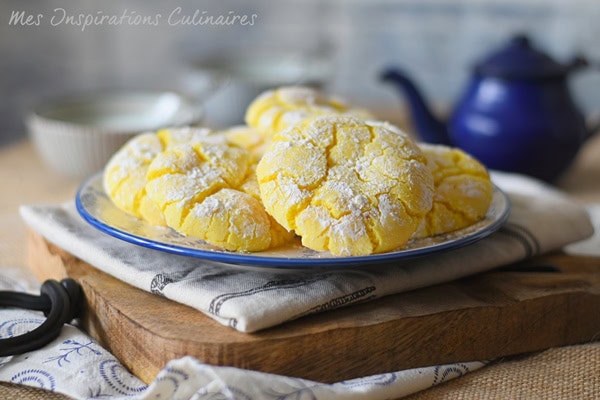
(483,317)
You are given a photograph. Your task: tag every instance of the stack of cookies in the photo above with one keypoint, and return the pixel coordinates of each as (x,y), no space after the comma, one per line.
(306,165)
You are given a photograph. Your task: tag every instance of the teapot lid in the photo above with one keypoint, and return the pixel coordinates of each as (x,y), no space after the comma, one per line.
(518,59)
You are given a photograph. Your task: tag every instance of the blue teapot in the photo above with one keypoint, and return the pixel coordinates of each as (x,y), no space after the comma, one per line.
(517,113)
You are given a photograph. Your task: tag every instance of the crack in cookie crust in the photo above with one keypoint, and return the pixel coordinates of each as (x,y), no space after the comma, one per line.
(344,185)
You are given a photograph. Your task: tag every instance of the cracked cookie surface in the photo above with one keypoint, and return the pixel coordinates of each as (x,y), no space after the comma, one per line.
(346,186)
(276,110)
(463,190)
(124,177)
(197,186)
(247,138)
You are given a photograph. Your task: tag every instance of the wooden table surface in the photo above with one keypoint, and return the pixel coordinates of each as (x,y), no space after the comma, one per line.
(25,180)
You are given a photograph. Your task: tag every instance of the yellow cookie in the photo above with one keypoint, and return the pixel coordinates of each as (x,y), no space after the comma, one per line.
(230,219)
(463,190)
(276,110)
(345,185)
(196,187)
(279,235)
(124,176)
(247,138)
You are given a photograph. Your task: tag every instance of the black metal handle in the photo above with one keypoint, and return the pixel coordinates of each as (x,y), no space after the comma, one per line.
(60,301)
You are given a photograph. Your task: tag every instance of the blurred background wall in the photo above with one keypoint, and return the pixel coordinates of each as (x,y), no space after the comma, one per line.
(436,40)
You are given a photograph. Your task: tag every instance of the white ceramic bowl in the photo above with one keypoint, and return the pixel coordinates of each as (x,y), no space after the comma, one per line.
(235,79)
(77,135)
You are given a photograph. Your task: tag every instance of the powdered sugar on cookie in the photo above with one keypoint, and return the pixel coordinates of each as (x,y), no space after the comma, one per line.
(343,185)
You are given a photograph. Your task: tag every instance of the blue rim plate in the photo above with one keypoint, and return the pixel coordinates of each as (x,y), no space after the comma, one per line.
(98,210)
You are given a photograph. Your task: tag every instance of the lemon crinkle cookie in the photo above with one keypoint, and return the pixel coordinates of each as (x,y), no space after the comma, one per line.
(463,190)
(124,176)
(195,185)
(247,138)
(276,110)
(344,185)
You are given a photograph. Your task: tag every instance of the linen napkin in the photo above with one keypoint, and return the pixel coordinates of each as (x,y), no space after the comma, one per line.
(542,219)
(76,365)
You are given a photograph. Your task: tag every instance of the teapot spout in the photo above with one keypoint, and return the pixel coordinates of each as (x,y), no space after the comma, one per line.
(429,128)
